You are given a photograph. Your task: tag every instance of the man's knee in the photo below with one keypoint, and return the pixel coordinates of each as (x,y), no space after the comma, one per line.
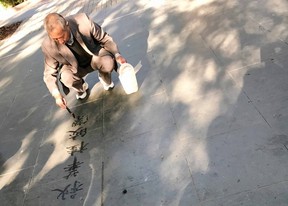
(104,63)
(66,77)
(108,64)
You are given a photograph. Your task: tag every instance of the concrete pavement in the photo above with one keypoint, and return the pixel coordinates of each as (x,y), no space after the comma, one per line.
(208,126)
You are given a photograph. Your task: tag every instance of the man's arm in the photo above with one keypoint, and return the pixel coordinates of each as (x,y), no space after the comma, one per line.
(105,40)
(50,78)
(50,72)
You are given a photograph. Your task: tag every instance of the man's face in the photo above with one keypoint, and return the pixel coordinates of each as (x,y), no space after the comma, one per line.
(60,35)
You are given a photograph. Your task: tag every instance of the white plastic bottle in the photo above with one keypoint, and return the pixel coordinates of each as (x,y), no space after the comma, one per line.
(128,78)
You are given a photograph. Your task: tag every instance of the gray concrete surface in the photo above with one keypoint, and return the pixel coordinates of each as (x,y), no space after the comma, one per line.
(208,126)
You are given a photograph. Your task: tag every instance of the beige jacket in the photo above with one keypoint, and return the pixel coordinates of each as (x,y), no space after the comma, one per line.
(90,36)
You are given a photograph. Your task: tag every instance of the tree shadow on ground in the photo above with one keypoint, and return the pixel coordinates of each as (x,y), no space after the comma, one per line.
(165,135)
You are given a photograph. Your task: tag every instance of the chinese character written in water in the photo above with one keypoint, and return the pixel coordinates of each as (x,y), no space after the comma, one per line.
(80,120)
(75,189)
(72,169)
(78,132)
(67,190)
(77,148)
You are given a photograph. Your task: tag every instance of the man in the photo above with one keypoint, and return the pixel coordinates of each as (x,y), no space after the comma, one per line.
(74,47)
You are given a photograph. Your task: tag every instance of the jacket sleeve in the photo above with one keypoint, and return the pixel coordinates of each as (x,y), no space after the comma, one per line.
(103,38)
(50,72)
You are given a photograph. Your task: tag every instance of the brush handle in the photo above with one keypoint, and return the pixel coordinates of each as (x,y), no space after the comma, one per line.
(73,115)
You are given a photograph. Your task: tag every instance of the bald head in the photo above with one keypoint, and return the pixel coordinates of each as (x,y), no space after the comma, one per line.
(53,21)
(57,27)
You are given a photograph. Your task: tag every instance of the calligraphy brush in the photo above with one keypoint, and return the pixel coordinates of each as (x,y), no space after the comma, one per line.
(73,115)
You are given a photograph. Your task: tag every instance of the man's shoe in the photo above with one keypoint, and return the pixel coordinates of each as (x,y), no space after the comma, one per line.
(105,85)
(82,95)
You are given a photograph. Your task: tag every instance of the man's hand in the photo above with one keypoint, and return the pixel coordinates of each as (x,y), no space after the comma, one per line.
(120,59)
(60,101)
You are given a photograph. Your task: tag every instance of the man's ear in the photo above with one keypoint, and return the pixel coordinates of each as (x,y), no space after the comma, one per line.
(67,25)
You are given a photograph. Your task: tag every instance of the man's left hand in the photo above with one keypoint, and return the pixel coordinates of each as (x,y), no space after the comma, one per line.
(121,60)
